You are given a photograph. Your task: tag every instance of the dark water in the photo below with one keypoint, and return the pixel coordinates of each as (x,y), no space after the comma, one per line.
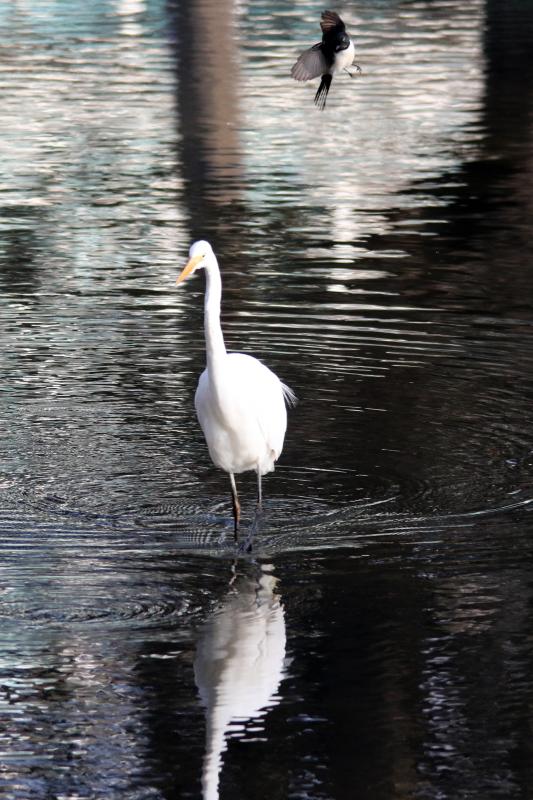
(378,643)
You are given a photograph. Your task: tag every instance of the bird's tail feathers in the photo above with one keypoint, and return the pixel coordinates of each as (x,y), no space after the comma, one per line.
(289,396)
(322,92)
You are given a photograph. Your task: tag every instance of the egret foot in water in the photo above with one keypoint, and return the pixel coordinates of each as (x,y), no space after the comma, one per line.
(247,545)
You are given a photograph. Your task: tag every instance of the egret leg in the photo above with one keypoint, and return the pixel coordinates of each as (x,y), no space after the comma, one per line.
(236,506)
(248,544)
(233,573)
(257,516)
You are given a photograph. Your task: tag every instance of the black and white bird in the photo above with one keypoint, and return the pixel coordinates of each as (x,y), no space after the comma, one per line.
(333,54)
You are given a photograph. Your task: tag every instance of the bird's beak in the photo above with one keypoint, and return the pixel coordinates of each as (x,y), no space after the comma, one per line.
(194,261)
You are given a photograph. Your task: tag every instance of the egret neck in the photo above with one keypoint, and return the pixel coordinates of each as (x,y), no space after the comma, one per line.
(214,340)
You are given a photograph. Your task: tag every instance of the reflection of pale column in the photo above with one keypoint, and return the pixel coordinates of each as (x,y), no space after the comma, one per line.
(239,664)
(208,100)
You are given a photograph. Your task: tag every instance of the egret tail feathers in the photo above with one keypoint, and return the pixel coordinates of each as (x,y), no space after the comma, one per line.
(289,396)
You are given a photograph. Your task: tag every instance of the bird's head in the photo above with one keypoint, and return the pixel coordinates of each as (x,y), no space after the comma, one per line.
(200,254)
(343,42)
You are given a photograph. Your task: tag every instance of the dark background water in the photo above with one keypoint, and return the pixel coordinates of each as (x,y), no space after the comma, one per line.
(378,256)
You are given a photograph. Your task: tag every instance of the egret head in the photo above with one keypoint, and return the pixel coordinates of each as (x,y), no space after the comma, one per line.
(200,254)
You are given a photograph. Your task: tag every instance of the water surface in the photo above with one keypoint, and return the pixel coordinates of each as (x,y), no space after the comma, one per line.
(377,256)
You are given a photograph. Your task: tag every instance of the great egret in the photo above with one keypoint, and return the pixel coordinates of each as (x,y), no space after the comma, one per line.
(239,402)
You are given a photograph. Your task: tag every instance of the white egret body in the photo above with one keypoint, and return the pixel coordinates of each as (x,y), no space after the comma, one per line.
(240,403)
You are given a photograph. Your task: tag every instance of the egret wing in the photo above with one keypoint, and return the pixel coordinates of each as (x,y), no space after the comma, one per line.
(262,395)
(272,415)
(244,419)
(311,64)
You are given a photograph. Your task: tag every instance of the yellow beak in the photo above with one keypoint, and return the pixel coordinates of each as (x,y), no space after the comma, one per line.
(189,268)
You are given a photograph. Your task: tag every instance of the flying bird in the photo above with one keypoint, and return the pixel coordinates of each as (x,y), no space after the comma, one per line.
(333,54)
(239,402)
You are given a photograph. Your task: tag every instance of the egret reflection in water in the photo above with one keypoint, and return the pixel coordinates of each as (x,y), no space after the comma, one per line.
(239,664)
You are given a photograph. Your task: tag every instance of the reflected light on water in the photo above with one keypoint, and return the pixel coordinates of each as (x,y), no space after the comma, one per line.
(377,256)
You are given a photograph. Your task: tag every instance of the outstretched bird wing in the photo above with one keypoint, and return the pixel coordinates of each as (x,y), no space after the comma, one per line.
(311,64)
(330,22)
